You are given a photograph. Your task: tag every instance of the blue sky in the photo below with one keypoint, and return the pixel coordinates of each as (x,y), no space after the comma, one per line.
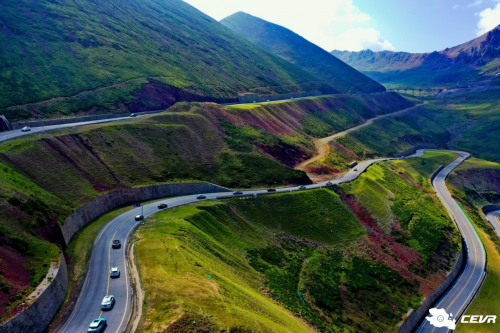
(399,25)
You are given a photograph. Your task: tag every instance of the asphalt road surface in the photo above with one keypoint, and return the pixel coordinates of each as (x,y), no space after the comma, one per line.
(493,219)
(98,283)
(456,300)
(18,133)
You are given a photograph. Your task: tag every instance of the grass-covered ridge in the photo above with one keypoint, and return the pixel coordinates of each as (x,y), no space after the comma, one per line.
(300,52)
(321,256)
(111,56)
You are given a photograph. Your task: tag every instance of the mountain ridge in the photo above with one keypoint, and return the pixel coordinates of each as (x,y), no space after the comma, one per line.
(56,50)
(475,60)
(299,51)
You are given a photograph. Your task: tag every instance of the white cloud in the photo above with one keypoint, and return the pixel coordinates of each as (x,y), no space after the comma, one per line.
(489,19)
(323,22)
(475,3)
(358,39)
(456,6)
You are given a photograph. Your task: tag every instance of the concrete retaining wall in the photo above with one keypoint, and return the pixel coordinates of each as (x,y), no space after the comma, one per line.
(74,120)
(417,316)
(435,173)
(490,208)
(111,200)
(37,316)
(413,150)
(4,124)
(251,98)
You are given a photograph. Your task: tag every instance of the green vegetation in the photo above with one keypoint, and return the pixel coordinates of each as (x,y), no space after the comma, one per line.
(212,264)
(87,57)
(472,200)
(399,197)
(300,52)
(477,163)
(486,302)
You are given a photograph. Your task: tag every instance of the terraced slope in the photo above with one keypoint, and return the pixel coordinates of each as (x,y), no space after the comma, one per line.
(92,56)
(299,51)
(252,145)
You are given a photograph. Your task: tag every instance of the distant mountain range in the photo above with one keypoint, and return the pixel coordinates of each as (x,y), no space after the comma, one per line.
(476,60)
(300,52)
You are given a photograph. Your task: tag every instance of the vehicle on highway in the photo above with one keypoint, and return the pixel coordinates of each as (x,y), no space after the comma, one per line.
(139,217)
(133,115)
(26,129)
(356,169)
(97,325)
(302,187)
(201,196)
(237,192)
(115,272)
(116,244)
(271,190)
(162,206)
(329,183)
(107,302)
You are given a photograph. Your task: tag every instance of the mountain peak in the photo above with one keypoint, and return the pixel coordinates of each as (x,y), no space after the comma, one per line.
(300,52)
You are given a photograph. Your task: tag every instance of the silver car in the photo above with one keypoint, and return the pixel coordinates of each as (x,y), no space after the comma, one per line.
(107,302)
(115,272)
(26,129)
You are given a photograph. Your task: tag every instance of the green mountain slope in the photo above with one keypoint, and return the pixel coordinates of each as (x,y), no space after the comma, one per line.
(91,56)
(299,51)
(323,258)
(476,60)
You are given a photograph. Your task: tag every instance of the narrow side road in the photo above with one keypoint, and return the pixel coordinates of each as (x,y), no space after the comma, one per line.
(321,144)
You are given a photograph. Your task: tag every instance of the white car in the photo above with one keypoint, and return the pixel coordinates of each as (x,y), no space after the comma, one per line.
(115,272)
(26,129)
(107,302)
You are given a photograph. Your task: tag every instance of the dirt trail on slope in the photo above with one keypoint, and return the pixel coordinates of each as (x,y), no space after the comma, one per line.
(322,144)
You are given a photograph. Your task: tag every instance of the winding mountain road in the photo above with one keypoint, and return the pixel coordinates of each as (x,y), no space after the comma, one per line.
(458,297)
(98,283)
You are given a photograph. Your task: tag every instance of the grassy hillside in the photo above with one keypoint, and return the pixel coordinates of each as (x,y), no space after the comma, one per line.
(66,58)
(322,258)
(299,51)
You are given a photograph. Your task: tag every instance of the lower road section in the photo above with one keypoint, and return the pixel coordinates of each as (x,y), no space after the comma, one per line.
(458,297)
(99,284)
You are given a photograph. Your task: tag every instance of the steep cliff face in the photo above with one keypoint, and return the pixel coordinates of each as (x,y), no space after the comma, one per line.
(478,59)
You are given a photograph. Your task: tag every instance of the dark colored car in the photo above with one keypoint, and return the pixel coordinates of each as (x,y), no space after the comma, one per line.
(302,187)
(139,217)
(133,115)
(237,192)
(97,325)
(162,206)
(271,190)
(329,183)
(201,196)
(116,244)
